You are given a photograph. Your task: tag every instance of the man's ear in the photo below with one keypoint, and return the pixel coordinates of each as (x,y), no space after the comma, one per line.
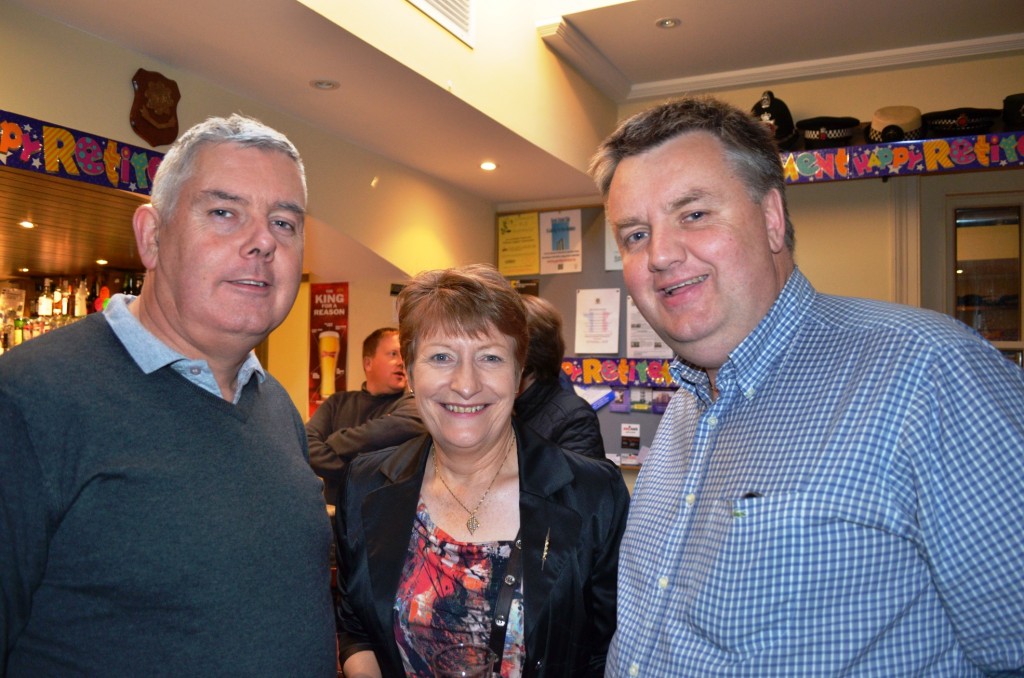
(366,363)
(774,220)
(146,224)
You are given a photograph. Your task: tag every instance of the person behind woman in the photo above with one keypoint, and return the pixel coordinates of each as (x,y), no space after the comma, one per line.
(543,404)
(426,530)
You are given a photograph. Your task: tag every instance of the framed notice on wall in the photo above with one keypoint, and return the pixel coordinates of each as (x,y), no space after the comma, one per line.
(612,256)
(597,320)
(561,242)
(518,244)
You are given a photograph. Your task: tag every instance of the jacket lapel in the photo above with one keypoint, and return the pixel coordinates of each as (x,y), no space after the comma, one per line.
(550,531)
(387,516)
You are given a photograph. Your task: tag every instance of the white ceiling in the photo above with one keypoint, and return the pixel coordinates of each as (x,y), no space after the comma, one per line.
(270,50)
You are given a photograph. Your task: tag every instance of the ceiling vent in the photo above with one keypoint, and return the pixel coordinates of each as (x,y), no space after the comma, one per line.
(456,16)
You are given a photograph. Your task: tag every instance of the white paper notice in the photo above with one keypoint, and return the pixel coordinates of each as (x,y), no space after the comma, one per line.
(641,339)
(597,320)
(612,256)
(561,242)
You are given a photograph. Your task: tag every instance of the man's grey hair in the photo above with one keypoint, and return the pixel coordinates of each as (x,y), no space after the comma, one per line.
(179,162)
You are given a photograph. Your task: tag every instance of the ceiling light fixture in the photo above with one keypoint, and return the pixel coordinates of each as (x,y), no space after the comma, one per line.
(667,22)
(101,262)
(26,224)
(324,85)
(488,166)
(22,270)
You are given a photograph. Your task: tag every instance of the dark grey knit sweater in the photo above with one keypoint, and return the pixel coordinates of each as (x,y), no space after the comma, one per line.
(150,528)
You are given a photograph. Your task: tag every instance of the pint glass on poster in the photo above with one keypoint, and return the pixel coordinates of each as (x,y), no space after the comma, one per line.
(330,343)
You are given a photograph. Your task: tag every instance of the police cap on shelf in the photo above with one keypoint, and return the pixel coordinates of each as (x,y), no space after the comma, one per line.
(894,123)
(826,131)
(960,121)
(775,113)
(1013,112)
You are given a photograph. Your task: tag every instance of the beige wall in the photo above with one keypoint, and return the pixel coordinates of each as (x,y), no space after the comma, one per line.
(978,82)
(509,75)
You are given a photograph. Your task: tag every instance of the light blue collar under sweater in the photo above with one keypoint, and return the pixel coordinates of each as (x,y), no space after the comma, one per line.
(150,354)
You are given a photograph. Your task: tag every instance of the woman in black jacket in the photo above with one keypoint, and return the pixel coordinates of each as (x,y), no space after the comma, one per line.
(428,531)
(544,404)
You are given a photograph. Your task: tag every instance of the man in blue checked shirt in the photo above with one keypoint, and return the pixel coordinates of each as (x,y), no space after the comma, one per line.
(836,488)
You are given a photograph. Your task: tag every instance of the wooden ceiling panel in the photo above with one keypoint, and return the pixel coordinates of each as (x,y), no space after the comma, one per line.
(75,224)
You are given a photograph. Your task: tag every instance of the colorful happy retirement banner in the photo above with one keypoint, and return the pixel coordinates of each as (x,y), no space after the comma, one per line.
(37,146)
(589,371)
(954,154)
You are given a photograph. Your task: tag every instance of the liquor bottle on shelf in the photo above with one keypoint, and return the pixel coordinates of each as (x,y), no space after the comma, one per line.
(81,299)
(58,299)
(67,301)
(44,307)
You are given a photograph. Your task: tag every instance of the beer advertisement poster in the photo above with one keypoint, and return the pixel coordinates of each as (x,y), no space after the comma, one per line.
(328,340)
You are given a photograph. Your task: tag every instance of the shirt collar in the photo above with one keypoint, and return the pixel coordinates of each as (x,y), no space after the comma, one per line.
(748,364)
(151,354)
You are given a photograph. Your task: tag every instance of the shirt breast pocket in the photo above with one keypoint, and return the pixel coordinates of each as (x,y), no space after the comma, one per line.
(746,571)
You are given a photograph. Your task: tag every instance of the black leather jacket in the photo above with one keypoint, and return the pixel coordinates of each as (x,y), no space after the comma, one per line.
(562,417)
(576,505)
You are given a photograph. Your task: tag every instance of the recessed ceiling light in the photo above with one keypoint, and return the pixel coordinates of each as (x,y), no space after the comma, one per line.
(23,270)
(324,85)
(101,262)
(667,22)
(488,166)
(26,224)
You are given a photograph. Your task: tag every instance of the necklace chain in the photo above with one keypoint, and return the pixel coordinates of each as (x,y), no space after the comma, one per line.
(472,524)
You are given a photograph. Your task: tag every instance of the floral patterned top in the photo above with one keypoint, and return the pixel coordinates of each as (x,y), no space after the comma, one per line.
(446,595)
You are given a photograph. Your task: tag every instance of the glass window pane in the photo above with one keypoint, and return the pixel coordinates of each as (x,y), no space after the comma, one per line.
(988,281)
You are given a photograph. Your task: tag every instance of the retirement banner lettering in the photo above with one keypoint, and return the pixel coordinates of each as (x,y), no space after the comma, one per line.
(591,371)
(38,146)
(953,154)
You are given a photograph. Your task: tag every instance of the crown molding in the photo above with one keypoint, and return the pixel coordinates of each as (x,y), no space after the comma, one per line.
(580,53)
(868,61)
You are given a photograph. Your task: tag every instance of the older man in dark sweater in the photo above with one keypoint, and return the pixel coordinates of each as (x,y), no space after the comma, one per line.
(157,512)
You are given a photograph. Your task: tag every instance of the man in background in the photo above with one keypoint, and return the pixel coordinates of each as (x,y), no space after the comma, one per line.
(827,493)
(380,414)
(157,510)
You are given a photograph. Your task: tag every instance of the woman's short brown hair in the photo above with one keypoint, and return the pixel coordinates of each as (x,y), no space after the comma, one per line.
(465,301)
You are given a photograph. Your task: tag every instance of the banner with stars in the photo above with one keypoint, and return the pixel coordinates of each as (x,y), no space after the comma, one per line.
(38,146)
(903,158)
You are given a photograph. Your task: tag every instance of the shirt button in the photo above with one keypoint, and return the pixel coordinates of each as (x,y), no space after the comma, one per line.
(749,393)
(712,421)
(691,499)
(634,669)
(195,370)
(663,582)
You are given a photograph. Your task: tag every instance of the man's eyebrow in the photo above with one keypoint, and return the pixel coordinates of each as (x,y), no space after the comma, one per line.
(289,206)
(686,199)
(217,194)
(674,205)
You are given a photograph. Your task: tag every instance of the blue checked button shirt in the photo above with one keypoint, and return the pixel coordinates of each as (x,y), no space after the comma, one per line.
(849,505)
